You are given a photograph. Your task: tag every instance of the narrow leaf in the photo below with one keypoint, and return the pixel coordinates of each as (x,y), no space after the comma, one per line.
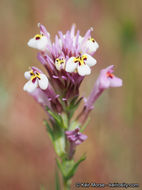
(74,168)
(57,181)
(50,131)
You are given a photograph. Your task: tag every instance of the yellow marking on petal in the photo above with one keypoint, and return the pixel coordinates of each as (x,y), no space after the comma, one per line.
(38,36)
(34,75)
(92,40)
(81,60)
(60,62)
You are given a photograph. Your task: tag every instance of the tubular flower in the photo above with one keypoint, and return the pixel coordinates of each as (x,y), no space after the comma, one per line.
(81,63)
(60,63)
(92,46)
(75,136)
(36,79)
(105,80)
(39,41)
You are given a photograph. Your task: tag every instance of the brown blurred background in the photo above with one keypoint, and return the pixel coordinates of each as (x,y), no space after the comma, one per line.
(113,149)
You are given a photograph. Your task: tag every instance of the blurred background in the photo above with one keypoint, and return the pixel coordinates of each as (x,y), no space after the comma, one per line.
(114,142)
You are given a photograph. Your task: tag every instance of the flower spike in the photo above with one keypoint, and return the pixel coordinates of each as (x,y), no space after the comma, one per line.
(67,60)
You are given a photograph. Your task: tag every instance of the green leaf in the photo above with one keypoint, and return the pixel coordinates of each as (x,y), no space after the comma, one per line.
(74,124)
(59,166)
(64,120)
(57,118)
(72,108)
(74,168)
(59,143)
(68,167)
(57,181)
(50,131)
(57,137)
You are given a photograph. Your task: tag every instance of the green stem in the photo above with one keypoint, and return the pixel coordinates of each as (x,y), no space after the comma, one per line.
(67,185)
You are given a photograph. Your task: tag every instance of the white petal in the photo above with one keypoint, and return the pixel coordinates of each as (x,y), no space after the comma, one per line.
(30,86)
(43,82)
(40,44)
(92,46)
(90,60)
(27,75)
(70,65)
(84,70)
(58,66)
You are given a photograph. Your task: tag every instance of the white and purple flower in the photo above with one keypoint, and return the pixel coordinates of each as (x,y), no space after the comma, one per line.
(35,79)
(39,41)
(80,64)
(60,63)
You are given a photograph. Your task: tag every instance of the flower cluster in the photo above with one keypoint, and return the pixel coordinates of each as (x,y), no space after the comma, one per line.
(67,60)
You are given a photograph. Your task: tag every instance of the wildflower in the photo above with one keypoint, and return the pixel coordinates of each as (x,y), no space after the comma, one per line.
(92,45)
(81,63)
(105,80)
(36,79)
(60,63)
(75,136)
(39,41)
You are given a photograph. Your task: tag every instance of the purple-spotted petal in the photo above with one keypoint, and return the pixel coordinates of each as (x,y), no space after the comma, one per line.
(40,44)
(30,86)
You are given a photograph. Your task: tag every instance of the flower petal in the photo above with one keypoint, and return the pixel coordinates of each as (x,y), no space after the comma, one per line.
(30,86)
(104,83)
(92,46)
(27,75)
(90,60)
(39,44)
(70,65)
(84,70)
(43,82)
(115,82)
